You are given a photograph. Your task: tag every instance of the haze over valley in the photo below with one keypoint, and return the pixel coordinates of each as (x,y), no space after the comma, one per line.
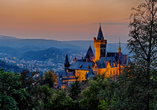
(43,55)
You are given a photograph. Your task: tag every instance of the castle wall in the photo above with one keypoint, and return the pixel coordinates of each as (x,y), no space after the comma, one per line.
(81,74)
(108,71)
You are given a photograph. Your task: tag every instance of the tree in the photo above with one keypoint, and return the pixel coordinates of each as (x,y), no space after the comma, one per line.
(103,105)
(26,78)
(49,78)
(45,94)
(143,33)
(75,90)
(9,91)
(30,91)
(98,95)
(140,78)
(60,101)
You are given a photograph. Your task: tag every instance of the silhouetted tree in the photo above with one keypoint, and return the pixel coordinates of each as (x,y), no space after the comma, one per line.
(26,78)
(139,79)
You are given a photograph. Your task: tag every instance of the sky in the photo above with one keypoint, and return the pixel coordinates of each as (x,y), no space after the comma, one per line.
(66,20)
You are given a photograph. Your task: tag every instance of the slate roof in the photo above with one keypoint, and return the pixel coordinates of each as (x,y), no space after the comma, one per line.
(84,60)
(100,34)
(90,54)
(103,61)
(80,65)
(119,58)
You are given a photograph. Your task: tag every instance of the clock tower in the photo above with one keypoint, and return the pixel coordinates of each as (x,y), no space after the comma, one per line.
(100,45)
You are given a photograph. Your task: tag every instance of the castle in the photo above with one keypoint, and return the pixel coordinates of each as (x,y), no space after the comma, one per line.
(110,63)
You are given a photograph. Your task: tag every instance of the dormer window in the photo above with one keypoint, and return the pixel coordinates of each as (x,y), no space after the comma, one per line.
(88,67)
(80,66)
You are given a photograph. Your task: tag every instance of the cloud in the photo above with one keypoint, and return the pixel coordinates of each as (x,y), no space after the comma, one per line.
(112,23)
(115,23)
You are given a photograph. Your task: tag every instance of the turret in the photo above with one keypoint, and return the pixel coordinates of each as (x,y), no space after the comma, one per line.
(66,63)
(100,45)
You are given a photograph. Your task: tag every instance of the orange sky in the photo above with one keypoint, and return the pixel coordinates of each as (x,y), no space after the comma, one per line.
(66,19)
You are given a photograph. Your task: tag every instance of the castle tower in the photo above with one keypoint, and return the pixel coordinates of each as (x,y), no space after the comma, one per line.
(66,63)
(100,45)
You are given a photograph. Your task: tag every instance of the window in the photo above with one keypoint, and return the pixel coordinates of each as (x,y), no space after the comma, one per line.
(80,66)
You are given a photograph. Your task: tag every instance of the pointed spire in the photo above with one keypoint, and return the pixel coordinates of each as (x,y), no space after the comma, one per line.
(119,48)
(100,34)
(66,59)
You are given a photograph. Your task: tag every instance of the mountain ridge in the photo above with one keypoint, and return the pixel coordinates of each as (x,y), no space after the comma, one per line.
(41,44)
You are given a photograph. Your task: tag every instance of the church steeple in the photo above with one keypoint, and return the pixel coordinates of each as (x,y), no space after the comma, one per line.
(119,48)
(100,34)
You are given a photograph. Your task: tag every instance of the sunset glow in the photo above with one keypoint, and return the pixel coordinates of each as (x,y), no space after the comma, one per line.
(66,19)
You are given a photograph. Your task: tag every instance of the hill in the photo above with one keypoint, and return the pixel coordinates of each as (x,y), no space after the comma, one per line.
(25,45)
(10,51)
(7,37)
(34,43)
(50,53)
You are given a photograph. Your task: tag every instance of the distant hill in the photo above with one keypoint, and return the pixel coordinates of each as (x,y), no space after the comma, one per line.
(81,43)
(33,43)
(25,45)
(7,37)
(42,55)
(10,51)
(29,48)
